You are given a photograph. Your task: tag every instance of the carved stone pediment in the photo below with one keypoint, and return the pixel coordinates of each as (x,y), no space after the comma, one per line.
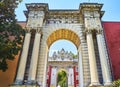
(62,56)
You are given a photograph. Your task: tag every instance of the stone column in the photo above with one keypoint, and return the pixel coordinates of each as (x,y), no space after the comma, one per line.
(45,67)
(92,60)
(23,59)
(104,62)
(34,59)
(80,68)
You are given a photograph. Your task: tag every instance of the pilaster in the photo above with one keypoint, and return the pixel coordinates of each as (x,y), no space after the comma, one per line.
(45,67)
(42,64)
(80,67)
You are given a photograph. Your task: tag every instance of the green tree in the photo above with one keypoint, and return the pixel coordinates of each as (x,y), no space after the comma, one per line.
(10,32)
(62,79)
(116,83)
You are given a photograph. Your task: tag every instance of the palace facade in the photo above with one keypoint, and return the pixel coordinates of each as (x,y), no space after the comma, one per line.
(97,63)
(66,62)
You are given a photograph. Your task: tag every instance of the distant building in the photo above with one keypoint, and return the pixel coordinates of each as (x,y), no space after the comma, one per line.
(97,43)
(62,61)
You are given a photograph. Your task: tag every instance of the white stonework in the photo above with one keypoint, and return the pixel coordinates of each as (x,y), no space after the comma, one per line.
(105,68)
(80,67)
(34,60)
(22,64)
(53,76)
(92,60)
(70,77)
(57,60)
(63,24)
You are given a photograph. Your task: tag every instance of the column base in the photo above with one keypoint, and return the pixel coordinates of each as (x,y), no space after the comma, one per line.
(17,86)
(52,86)
(100,86)
(20,82)
(95,84)
(26,83)
(31,82)
(24,86)
(107,84)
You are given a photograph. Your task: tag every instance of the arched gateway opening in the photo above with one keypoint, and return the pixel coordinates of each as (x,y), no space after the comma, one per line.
(62,66)
(63,34)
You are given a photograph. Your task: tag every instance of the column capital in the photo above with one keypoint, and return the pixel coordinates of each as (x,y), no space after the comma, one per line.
(38,30)
(88,31)
(27,29)
(99,31)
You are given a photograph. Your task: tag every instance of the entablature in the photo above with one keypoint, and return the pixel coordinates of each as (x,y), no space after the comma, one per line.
(41,11)
(62,16)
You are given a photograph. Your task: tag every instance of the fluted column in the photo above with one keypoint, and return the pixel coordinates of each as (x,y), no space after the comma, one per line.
(23,59)
(34,59)
(92,60)
(104,62)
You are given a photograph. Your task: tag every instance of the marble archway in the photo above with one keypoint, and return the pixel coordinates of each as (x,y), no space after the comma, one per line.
(82,26)
(66,34)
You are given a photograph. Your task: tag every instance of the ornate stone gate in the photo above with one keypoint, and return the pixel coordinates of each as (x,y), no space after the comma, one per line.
(83,27)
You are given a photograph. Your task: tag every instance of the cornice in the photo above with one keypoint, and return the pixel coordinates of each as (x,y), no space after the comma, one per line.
(90,5)
(44,7)
(37,6)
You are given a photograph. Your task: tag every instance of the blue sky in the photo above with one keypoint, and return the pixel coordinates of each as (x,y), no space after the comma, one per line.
(65,44)
(111,8)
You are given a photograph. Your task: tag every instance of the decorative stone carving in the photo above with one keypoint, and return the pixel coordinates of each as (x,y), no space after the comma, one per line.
(62,56)
(35,16)
(54,56)
(99,31)
(46,21)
